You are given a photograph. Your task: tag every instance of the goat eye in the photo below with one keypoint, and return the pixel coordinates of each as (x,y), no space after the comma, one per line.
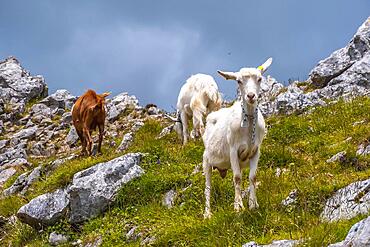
(259,79)
(239,82)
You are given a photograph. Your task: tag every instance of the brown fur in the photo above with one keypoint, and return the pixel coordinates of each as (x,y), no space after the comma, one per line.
(88,113)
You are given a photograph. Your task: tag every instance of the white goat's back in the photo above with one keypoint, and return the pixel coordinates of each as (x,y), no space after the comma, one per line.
(197,85)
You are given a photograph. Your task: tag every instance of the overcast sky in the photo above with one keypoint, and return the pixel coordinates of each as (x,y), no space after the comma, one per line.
(149,48)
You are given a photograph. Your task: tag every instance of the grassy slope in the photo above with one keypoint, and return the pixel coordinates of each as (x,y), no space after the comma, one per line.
(301,144)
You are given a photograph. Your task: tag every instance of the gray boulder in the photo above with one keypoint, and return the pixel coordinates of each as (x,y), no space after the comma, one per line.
(94,189)
(60,99)
(348,202)
(358,235)
(45,210)
(120,104)
(340,62)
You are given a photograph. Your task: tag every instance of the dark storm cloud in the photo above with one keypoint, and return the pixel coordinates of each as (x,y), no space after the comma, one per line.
(149,48)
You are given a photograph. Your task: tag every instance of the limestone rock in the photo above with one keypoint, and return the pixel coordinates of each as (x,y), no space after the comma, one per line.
(358,235)
(120,104)
(363,149)
(60,99)
(93,189)
(341,157)
(6,174)
(165,131)
(169,199)
(17,85)
(276,243)
(22,183)
(27,133)
(72,137)
(57,239)
(348,202)
(291,199)
(40,111)
(340,62)
(45,210)
(127,140)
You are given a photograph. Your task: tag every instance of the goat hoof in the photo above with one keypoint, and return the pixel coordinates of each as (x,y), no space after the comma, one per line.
(253,205)
(239,207)
(207,215)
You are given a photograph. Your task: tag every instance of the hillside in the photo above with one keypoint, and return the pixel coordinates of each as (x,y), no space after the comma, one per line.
(318,142)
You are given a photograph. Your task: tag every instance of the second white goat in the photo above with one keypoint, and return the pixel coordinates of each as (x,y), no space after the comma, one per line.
(198,97)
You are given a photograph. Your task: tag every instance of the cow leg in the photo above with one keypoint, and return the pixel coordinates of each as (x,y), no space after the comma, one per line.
(88,140)
(207,191)
(83,142)
(234,160)
(253,163)
(101,135)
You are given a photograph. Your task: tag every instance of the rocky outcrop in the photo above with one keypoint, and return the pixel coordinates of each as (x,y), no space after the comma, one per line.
(345,74)
(348,65)
(93,190)
(45,210)
(17,87)
(358,235)
(348,202)
(121,104)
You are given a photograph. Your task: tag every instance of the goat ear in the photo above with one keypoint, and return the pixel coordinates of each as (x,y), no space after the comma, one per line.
(106,94)
(265,65)
(227,75)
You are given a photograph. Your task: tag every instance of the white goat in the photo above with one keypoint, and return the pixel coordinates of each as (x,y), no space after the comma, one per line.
(233,136)
(198,97)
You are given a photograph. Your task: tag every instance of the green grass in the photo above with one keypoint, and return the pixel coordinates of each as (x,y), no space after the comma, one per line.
(301,144)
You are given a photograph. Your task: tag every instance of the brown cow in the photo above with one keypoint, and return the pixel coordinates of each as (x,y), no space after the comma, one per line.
(88,113)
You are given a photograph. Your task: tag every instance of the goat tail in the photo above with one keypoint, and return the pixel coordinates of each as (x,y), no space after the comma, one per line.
(214,97)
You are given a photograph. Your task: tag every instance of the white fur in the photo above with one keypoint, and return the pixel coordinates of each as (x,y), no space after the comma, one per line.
(197,97)
(227,143)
